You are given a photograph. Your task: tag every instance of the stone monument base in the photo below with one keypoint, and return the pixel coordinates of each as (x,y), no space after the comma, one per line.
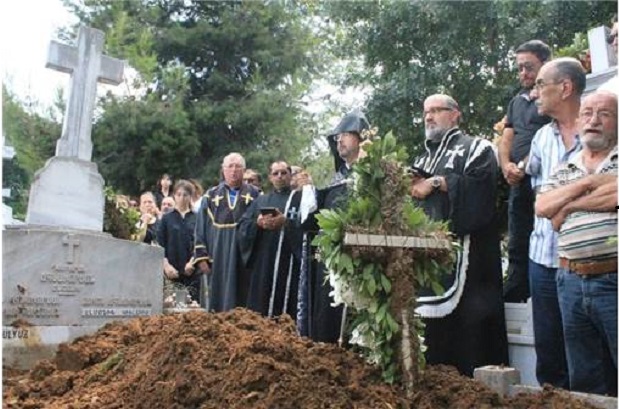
(521,341)
(67,192)
(59,284)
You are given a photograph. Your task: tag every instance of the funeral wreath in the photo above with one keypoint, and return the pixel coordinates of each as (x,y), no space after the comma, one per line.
(377,282)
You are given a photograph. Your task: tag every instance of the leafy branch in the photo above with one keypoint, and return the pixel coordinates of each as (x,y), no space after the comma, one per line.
(378,282)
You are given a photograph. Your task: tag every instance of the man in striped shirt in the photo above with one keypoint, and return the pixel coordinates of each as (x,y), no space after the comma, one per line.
(580,199)
(558,88)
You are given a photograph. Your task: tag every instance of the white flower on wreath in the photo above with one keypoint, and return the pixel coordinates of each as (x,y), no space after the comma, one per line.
(343,293)
(363,336)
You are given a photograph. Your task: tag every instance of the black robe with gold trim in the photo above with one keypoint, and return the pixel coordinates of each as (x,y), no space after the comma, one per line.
(216,242)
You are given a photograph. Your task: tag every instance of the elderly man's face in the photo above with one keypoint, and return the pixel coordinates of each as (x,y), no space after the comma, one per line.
(438,117)
(233,170)
(548,90)
(598,121)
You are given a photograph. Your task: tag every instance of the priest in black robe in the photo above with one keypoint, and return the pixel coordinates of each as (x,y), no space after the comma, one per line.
(216,252)
(317,318)
(465,326)
(270,238)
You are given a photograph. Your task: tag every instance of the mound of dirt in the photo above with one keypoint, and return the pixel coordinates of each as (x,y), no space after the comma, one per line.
(232,360)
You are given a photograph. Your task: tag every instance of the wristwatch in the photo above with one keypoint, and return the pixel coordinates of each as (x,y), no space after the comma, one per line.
(436,183)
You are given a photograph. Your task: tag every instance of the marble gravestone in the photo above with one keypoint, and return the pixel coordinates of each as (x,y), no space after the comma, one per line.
(68,191)
(62,277)
(59,284)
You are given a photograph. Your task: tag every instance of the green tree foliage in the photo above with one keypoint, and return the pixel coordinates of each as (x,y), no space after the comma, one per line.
(228,77)
(32,135)
(463,48)
(34,138)
(153,137)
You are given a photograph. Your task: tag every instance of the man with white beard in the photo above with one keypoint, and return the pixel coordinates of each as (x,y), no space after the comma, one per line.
(465,326)
(580,198)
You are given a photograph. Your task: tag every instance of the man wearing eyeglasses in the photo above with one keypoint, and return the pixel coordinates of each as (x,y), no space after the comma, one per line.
(465,326)
(270,240)
(580,201)
(217,254)
(522,122)
(559,86)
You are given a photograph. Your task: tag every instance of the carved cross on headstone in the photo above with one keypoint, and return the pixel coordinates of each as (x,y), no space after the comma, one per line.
(72,243)
(87,66)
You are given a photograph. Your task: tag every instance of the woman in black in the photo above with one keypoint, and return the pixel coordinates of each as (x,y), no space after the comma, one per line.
(175,235)
(164,189)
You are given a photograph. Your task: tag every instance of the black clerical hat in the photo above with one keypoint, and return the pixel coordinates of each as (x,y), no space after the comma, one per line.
(354,122)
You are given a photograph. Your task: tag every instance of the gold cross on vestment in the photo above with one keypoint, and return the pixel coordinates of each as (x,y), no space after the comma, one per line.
(248,198)
(216,200)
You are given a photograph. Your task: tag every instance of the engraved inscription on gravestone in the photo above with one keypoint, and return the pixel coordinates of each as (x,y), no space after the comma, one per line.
(77,278)
(31,307)
(69,278)
(15,333)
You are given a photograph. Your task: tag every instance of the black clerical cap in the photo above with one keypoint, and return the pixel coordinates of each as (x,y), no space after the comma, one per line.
(354,122)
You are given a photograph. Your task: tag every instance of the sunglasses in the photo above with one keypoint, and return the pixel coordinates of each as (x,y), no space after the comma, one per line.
(279,172)
(249,180)
(611,38)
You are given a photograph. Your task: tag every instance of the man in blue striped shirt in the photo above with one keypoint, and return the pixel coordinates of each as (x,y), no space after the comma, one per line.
(580,200)
(558,87)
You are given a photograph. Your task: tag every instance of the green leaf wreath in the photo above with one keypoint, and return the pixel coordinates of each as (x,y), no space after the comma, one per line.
(378,283)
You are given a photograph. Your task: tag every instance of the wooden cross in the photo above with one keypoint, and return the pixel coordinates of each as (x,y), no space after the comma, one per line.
(409,356)
(87,66)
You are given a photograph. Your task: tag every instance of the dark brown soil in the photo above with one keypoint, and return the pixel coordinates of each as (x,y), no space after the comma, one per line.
(232,360)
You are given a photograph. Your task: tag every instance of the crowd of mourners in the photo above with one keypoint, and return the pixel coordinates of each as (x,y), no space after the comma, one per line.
(237,245)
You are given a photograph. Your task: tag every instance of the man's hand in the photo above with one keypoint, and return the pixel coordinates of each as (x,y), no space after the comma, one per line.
(170,272)
(593,193)
(147,218)
(512,174)
(598,180)
(269,222)
(558,219)
(189,268)
(303,178)
(421,188)
(204,267)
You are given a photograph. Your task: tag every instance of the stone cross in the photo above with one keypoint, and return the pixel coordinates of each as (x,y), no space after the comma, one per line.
(87,66)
